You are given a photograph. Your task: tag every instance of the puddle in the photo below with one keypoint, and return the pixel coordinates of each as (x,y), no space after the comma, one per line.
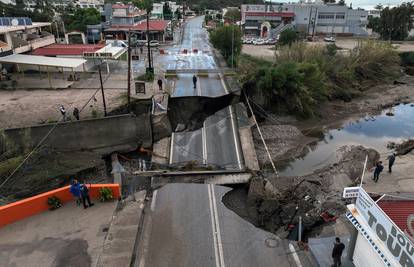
(374,132)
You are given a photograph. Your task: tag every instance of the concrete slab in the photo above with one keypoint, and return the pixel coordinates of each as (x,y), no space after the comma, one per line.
(118,248)
(161,151)
(69,236)
(249,152)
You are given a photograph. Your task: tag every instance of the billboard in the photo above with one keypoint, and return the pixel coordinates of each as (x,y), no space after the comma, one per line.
(394,240)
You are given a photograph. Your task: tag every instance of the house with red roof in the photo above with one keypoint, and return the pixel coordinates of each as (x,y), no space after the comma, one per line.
(127,18)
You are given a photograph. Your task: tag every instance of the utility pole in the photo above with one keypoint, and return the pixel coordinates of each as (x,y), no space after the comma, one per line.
(148,45)
(129,71)
(102,88)
(232,45)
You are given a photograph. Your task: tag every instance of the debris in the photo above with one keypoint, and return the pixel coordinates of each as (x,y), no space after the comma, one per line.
(405,147)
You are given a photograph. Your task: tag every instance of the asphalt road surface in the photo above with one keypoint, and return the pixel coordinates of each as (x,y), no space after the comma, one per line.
(190,227)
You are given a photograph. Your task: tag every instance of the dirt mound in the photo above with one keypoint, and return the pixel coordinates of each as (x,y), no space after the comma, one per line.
(315,197)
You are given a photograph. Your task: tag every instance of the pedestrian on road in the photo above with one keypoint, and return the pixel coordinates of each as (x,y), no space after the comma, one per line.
(378,170)
(195,81)
(337,252)
(84,191)
(391,160)
(75,191)
(63,112)
(160,84)
(76,113)
(141,50)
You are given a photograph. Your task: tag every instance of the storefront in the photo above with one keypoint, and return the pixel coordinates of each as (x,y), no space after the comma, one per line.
(378,240)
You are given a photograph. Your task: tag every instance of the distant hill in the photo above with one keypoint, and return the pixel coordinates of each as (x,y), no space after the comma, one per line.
(218,4)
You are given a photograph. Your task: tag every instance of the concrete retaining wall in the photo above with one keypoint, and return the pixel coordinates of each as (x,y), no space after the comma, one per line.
(122,132)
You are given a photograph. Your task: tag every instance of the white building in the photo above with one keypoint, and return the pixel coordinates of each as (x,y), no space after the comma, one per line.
(383,233)
(97,4)
(157,9)
(311,18)
(21,35)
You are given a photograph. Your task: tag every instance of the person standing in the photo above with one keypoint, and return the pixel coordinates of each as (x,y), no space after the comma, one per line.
(378,170)
(337,252)
(63,112)
(195,81)
(76,113)
(391,160)
(84,191)
(74,190)
(160,84)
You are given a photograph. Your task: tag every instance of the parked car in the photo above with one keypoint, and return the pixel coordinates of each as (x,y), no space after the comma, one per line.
(271,41)
(259,42)
(154,43)
(330,39)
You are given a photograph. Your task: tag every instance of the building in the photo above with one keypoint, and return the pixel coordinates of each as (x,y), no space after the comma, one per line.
(125,18)
(383,231)
(311,18)
(158,8)
(21,35)
(97,4)
(374,13)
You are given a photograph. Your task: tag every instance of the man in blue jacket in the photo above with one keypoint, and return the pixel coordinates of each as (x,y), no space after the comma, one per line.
(74,189)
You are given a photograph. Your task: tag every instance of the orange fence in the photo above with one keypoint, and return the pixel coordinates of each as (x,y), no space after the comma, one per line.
(30,206)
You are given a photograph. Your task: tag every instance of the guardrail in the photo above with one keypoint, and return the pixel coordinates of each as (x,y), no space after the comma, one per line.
(22,209)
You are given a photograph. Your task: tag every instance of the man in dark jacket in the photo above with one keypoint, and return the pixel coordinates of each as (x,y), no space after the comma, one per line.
(195,81)
(337,252)
(160,84)
(378,170)
(76,113)
(84,191)
(391,160)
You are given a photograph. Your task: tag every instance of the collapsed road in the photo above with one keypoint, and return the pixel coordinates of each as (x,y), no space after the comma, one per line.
(187,224)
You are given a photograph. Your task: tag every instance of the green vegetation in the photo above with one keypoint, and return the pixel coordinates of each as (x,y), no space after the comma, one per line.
(79,18)
(304,76)
(288,37)
(233,15)
(54,203)
(105,194)
(407,61)
(166,11)
(42,12)
(227,39)
(394,23)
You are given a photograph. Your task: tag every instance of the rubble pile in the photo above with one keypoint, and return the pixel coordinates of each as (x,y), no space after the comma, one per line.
(275,203)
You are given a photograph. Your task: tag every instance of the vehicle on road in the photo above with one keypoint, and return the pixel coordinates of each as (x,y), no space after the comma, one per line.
(154,43)
(329,39)
(259,42)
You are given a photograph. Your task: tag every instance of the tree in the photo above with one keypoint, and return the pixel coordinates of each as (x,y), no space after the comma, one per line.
(328,1)
(233,15)
(224,37)
(166,11)
(374,23)
(395,23)
(341,2)
(78,20)
(288,37)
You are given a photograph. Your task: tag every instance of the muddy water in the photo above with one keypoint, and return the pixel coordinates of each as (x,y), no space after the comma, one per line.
(375,132)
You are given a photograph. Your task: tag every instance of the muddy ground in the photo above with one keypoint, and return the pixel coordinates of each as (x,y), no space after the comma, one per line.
(287,136)
(20,108)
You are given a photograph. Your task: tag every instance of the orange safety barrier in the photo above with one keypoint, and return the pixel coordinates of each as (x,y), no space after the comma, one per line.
(22,209)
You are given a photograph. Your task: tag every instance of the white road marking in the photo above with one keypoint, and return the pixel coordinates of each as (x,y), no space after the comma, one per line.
(236,143)
(216,254)
(154,200)
(223,84)
(171,147)
(220,244)
(204,142)
(295,255)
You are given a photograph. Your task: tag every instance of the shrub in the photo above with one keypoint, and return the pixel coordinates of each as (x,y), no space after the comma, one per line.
(288,37)
(54,203)
(105,194)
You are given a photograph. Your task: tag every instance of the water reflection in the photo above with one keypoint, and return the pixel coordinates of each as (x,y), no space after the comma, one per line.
(375,132)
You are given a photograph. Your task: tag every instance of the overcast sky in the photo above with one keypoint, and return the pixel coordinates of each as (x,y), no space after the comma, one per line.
(367,4)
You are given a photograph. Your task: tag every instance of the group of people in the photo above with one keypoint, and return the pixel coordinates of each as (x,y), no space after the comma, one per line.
(379,167)
(63,112)
(159,82)
(80,192)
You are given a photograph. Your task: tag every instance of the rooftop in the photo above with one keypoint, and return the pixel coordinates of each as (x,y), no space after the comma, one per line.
(69,236)
(5,29)
(67,49)
(154,25)
(399,211)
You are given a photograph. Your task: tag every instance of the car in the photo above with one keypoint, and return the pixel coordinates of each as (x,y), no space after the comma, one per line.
(330,39)
(259,42)
(154,43)
(271,41)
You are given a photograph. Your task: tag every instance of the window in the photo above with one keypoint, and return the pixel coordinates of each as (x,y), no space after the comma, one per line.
(340,16)
(326,16)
